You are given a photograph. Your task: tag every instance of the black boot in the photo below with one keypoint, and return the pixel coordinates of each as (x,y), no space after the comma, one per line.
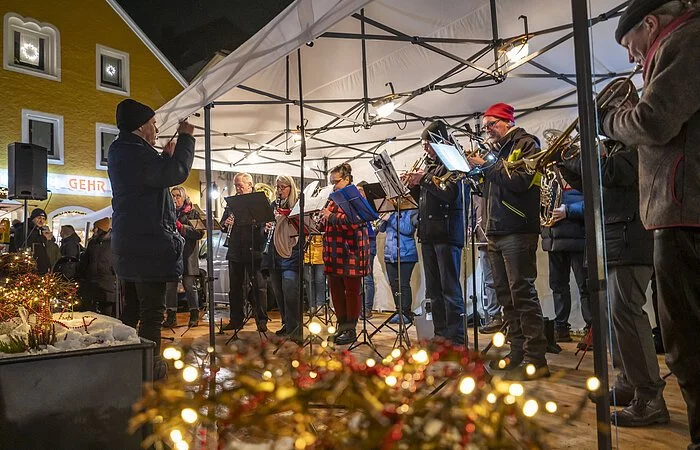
(170,319)
(493,325)
(346,337)
(194,318)
(642,413)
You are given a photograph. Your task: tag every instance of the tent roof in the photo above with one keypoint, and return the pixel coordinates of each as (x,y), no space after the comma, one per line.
(251,137)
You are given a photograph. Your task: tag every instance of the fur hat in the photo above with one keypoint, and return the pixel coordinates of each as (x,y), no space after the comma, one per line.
(501,111)
(103,224)
(132,114)
(634,13)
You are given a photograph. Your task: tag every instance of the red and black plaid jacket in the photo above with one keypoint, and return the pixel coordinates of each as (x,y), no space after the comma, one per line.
(345,245)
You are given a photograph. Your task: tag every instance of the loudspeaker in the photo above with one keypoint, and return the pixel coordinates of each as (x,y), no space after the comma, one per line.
(26,170)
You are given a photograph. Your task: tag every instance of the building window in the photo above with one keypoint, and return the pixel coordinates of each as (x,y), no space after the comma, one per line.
(45,130)
(31,47)
(112,71)
(104,136)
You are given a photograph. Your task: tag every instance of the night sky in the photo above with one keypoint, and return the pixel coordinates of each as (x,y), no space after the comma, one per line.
(190,32)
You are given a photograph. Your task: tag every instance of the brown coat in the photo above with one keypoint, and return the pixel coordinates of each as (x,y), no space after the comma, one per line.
(665,125)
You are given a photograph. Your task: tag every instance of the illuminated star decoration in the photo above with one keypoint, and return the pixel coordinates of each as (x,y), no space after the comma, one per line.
(110,70)
(29,52)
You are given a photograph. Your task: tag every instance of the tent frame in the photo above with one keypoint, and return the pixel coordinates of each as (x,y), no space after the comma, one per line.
(583,86)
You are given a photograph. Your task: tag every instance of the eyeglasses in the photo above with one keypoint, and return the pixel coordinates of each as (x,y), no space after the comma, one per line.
(492,123)
(281,188)
(334,182)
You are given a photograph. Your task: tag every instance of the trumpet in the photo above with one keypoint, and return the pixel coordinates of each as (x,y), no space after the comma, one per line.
(563,145)
(483,149)
(417,165)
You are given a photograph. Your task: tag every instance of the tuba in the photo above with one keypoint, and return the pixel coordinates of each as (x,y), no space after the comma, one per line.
(267,189)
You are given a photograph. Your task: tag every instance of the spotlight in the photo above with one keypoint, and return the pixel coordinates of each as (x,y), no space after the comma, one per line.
(310,44)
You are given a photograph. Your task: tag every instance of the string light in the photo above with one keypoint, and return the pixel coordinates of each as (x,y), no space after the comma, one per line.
(491,398)
(315,328)
(267,375)
(530,369)
(390,381)
(331,329)
(395,353)
(370,362)
(182,445)
(593,384)
(190,374)
(172,353)
(179,364)
(499,339)
(516,389)
(189,415)
(467,385)
(551,407)
(530,408)
(421,357)
(176,435)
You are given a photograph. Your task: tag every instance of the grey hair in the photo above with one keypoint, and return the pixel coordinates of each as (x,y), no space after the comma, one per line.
(245,176)
(183,193)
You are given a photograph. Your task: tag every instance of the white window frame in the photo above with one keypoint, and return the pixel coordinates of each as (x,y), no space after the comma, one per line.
(99,129)
(124,57)
(52,53)
(54,119)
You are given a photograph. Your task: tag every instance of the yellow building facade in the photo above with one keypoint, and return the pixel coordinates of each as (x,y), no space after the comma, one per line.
(57,61)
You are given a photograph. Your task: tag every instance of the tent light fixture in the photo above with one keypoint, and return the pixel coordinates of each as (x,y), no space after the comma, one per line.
(517,49)
(386,105)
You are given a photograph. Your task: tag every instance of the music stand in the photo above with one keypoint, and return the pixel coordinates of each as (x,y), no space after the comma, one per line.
(250,209)
(395,199)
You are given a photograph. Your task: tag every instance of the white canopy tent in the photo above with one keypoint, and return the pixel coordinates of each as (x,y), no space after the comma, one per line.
(255,88)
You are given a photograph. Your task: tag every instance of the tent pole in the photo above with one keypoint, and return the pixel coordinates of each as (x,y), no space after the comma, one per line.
(494,33)
(302,235)
(210,222)
(365,96)
(593,216)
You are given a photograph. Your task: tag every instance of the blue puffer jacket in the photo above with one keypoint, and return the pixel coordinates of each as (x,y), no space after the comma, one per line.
(407,228)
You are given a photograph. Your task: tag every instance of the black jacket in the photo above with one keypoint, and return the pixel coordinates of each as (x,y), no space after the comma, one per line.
(96,265)
(35,241)
(145,243)
(567,235)
(440,218)
(241,240)
(626,240)
(70,251)
(512,202)
(190,255)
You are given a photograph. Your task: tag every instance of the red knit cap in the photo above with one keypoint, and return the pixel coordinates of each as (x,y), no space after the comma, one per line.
(501,111)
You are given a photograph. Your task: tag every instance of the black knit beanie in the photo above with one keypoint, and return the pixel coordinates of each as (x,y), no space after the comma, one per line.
(36,212)
(633,14)
(132,114)
(437,128)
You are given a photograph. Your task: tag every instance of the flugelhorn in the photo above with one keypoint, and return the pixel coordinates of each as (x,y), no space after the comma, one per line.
(619,89)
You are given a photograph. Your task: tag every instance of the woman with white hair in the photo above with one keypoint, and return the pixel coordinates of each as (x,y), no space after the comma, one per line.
(282,259)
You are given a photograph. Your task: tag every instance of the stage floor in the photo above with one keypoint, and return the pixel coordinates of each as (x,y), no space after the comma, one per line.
(566,387)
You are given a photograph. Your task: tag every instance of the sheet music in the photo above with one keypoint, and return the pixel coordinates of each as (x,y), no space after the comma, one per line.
(388,178)
(451,157)
(313,203)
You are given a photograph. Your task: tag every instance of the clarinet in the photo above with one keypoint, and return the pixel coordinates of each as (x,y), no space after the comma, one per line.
(228,233)
(266,249)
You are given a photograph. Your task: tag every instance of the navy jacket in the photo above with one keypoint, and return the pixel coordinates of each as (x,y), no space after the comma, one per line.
(407,241)
(567,235)
(146,245)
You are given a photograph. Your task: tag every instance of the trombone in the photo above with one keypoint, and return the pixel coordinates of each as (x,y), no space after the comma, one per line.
(563,141)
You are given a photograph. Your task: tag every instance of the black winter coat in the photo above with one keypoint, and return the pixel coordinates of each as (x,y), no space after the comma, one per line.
(35,242)
(241,241)
(190,255)
(567,235)
(440,219)
(70,249)
(96,267)
(145,243)
(512,201)
(626,240)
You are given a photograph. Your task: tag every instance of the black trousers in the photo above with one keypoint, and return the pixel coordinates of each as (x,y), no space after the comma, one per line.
(144,305)
(514,265)
(677,266)
(560,266)
(238,273)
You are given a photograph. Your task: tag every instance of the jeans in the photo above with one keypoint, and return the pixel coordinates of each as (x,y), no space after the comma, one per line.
(677,265)
(238,274)
(514,264)
(442,264)
(560,265)
(285,284)
(369,285)
(315,281)
(633,347)
(345,293)
(144,305)
(392,273)
(491,307)
(190,292)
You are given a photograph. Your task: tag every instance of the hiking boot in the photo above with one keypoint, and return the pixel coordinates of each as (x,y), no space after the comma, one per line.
(641,413)
(194,318)
(230,326)
(395,320)
(511,362)
(492,326)
(281,332)
(562,335)
(170,319)
(622,397)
